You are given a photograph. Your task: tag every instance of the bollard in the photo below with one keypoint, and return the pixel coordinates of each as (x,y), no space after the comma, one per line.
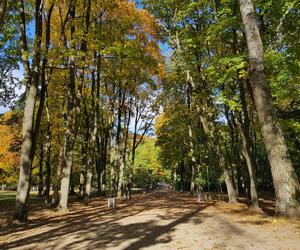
(111,202)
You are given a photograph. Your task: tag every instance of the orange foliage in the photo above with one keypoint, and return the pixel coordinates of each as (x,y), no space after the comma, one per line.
(10,134)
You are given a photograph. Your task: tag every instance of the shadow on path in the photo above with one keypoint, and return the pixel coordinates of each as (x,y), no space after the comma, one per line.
(146,220)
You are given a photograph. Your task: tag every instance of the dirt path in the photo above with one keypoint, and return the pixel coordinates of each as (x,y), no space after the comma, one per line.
(159,220)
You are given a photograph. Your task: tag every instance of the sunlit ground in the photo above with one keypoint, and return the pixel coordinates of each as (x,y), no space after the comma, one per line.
(158,220)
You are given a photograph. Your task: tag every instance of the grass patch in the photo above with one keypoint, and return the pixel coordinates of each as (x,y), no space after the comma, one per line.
(10,196)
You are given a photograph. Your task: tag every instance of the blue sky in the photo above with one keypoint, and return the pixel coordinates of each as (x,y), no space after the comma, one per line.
(164,48)
(20,72)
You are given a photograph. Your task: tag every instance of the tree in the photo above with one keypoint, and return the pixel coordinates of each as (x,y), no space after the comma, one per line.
(285,179)
(31,76)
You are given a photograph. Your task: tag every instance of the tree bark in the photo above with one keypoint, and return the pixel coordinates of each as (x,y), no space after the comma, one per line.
(2,12)
(193,160)
(57,175)
(121,176)
(174,175)
(99,145)
(48,153)
(246,148)
(69,135)
(122,184)
(190,133)
(41,183)
(235,150)
(134,141)
(104,153)
(65,179)
(250,165)
(211,132)
(229,186)
(31,80)
(43,97)
(285,180)
(88,186)
(72,183)
(91,131)
(81,184)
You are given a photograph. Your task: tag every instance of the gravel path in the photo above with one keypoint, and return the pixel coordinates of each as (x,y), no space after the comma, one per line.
(158,220)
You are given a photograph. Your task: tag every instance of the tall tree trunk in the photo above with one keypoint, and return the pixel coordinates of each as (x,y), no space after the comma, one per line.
(227,175)
(211,132)
(235,151)
(246,148)
(243,127)
(65,178)
(113,173)
(193,160)
(250,165)
(121,175)
(81,184)
(174,175)
(236,181)
(237,158)
(190,133)
(285,180)
(57,175)
(31,80)
(44,95)
(124,156)
(230,187)
(119,151)
(98,170)
(48,153)
(131,170)
(91,131)
(100,164)
(123,144)
(69,135)
(88,186)
(104,153)
(72,183)
(87,150)
(103,179)
(99,145)
(41,183)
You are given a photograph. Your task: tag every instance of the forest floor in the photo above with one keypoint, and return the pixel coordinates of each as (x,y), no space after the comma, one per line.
(156,220)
